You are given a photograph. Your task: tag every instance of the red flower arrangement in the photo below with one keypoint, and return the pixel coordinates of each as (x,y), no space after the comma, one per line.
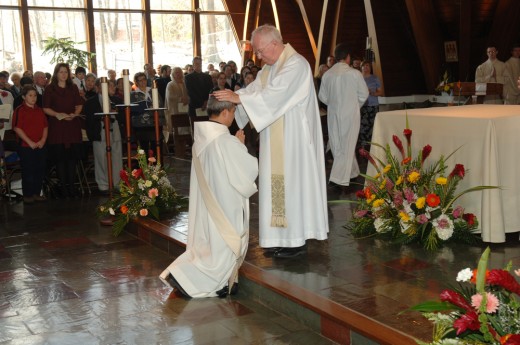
(408,201)
(486,312)
(145,191)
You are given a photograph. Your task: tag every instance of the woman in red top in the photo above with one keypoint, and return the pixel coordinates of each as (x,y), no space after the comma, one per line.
(30,125)
(63,104)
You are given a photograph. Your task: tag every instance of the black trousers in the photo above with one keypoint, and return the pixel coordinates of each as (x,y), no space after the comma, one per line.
(33,163)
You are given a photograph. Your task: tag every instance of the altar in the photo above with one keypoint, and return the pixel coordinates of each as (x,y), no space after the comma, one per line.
(484,138)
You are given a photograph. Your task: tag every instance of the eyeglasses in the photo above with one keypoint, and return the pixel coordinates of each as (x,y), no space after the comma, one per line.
(261,51)
(141,79)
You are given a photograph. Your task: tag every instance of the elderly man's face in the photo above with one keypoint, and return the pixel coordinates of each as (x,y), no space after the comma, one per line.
(263,47)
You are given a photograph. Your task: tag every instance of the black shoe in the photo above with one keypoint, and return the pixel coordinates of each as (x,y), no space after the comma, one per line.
(222,293)
(175,284)
(290,252)
(272,249)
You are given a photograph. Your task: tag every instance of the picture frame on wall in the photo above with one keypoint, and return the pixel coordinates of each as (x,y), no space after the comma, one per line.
(450,51)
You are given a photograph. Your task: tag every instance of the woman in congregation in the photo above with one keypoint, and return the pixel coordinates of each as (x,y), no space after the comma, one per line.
(176,95)
(143,121)
(371,106)
(30,125)
(242,82)
(62,104)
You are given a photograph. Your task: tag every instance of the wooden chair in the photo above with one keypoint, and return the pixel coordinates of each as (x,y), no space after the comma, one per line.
(181,133)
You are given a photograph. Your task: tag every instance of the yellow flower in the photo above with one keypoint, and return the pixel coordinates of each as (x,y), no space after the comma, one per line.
(387,168)
(383,184)
(441,180)
(420,202)
(377,175)
(148,183)
(404,216)
(378,202)
(371,198)
(399,181)
(414,176)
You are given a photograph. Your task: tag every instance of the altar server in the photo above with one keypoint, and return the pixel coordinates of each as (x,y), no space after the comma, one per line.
(222,180)
(344,90)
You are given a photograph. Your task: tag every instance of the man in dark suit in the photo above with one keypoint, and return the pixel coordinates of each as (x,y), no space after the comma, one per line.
(199,86)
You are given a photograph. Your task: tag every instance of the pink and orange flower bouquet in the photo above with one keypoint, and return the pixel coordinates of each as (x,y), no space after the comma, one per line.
(143,192)
(409,200)
(484,309)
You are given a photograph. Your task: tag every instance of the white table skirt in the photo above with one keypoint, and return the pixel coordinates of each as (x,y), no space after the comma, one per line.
(488,141)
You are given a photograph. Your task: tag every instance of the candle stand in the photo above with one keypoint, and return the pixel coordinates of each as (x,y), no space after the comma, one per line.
(128,125)
(157,131)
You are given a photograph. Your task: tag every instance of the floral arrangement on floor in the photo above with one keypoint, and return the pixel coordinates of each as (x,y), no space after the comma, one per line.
(145,191)
(484,309)
(407,201)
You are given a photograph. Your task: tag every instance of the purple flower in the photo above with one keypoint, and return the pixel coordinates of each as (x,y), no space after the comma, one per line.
(398,199)
(409,195)
(422,219)
(458,212)
(360,213)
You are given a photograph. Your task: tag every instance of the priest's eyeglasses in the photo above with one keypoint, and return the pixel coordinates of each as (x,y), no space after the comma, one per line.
(261,51)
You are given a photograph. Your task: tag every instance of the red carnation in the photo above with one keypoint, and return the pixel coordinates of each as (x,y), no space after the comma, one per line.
(408,135)
(360,194)
(470,218)
(456,299)
(136,173)
(124,176)
(467,321)
(425,153)
(458,171)
(510,339)
(504,279)
(398,144)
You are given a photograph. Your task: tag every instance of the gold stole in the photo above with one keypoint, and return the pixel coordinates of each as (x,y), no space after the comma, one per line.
(278,218)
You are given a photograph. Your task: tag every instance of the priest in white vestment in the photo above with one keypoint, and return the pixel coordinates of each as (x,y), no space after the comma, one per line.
(344,90)
(491,71)
(222,179)
(512,73)
(282,105)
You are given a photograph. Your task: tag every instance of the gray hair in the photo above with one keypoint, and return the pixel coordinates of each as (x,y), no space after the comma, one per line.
(215,107)
(268,31)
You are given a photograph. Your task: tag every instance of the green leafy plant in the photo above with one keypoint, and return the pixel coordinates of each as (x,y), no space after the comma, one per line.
(63,51)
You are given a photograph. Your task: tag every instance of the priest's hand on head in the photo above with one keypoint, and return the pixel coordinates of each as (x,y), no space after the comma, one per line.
(227,96)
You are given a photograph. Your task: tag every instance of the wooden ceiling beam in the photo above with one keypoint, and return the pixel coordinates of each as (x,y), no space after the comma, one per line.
(428,41)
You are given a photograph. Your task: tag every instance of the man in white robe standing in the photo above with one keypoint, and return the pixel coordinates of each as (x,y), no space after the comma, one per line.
(512,73)
(344,91)
(491,71)
(281,104)
(222,179)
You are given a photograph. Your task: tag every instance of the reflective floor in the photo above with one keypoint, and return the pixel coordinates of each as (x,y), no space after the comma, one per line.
(65,279)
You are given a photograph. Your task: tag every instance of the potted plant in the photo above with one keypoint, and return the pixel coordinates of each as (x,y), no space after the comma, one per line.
(63,50)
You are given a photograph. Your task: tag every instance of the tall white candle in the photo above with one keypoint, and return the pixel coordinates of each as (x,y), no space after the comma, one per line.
(155,97)
(126,87)
(104,93)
